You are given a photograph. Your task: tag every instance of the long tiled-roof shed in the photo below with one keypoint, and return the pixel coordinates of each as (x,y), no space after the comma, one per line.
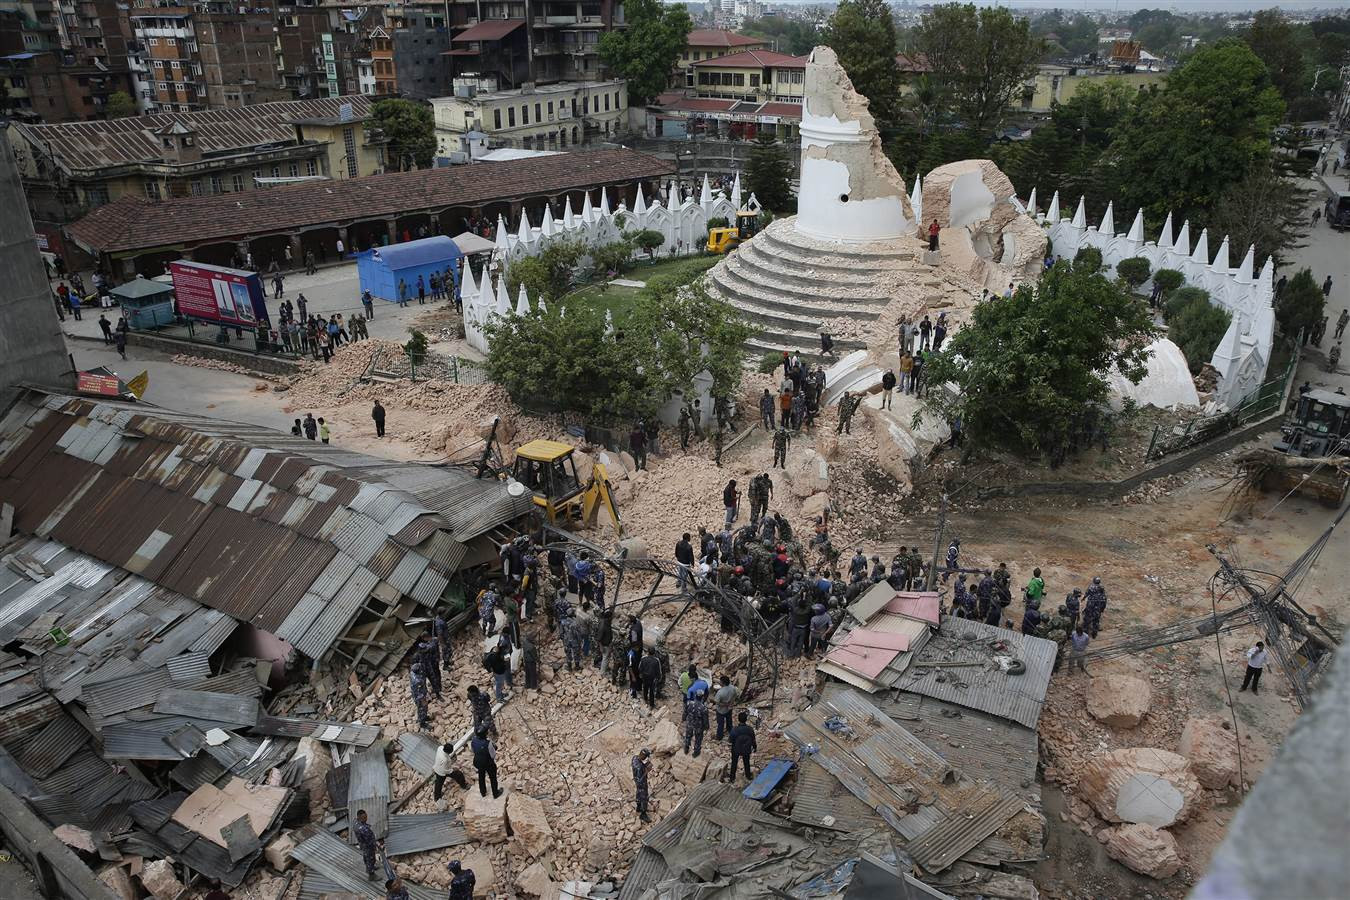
(135,234)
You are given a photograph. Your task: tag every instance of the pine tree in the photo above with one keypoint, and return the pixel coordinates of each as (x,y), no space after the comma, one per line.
(766,175)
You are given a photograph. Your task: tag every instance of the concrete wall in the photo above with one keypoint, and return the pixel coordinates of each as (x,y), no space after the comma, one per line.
(31,348)
(55,867)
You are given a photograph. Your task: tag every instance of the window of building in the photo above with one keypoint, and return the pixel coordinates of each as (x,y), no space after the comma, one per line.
(586,105)
(607,103)
(739,79)
(175,66)
(159,65)
(511,116)
(276,171)
(754,80)
(685,56)
(153,42)
(311,168)
(295,170)
(163,85)
(151,189)
(537,110)
(257,173)
(196,187)
(96,196)
(237,183)
(217,185)
(168,143)
(617,104)
(170,42)
(525,114)
(349,144)
(496,119)
(197,69)
(550,110)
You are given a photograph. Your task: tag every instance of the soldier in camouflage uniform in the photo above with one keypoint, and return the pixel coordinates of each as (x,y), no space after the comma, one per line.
(1073,606)
(685,428)
(915,569)
(572,634)
(441,629)
(758,492)
(426,655)
(417,682)
(781,439)
(481,707)
(642,764)
(1057,630)
(985,591)
(695,722)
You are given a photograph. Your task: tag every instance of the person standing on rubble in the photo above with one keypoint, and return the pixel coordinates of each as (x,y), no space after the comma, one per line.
(1256,663)
(462,881)
(426,655)
(781,439)
(529,661)
(1035,589)
(642,764)
(1094,604)
(485,761)
(481,708)
(487,603)
(742,740)
(731,499)
(1078,644)
(571,635)
(417,683)
(724,702)
(440,629)
(695,720)
(649,670)
(1073,606)
(365,840)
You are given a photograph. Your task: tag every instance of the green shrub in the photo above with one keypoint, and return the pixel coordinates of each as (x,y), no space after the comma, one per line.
(1195,325)
(416,347)
(770,361)
(1169,280)
(648,239)
(1089,258)
(1133,271)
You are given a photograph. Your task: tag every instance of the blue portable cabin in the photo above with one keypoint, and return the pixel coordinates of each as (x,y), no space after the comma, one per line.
(145,302)
(381,268)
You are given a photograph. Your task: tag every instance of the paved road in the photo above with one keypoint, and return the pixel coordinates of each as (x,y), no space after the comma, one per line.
(1327,252)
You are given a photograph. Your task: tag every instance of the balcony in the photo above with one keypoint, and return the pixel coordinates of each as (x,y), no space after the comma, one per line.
(547,49)
(543,21)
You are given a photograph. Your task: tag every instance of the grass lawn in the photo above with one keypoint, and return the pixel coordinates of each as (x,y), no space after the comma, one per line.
(616,298)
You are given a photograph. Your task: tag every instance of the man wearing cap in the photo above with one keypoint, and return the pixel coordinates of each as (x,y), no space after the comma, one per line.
(365,840)
(857,566)
(462,881)
(642,764)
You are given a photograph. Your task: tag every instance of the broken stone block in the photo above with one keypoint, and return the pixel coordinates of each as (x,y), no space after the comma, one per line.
(278,852)
(534,880)
(1143,785)
(76,837)
(1147,850)
(529,823)
(815,505)
(597,854)
(159,879)
(318,763)
(664,739)
(119,882)
(485,818)
(505,429)
(1119,701)
(932,257)
(808,473)
(617,739)
(1212,751)
(687,769)
(485,876)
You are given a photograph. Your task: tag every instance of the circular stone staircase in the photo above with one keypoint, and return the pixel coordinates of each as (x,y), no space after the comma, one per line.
(788,285)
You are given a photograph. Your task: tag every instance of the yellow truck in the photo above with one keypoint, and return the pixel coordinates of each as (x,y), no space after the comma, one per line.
(722,240)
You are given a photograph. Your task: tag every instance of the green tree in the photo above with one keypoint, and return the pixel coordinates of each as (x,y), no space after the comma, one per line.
(416,347)
(614,256)
(411,130)
(568,361)
(1277,44)
(1195,325)
(1300,307)
(1180,147)
(767,172)
(1169,280)
(1265,209)
(648,239)
(644,53)
(1026,368)
(119,105)
(981,56)
(1133,271)
(794,36)
(862,35)
(547,276)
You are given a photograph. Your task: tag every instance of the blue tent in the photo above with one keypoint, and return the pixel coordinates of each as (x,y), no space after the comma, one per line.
(381,268)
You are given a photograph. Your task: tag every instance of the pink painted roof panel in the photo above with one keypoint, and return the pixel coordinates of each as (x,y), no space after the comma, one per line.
(921,605)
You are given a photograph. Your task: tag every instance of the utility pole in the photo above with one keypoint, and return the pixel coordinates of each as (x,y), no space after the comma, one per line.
(931,582)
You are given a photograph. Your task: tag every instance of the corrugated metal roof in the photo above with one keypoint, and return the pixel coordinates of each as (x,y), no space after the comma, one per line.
(130,741)
(107,700)
(984,686)
(819,797)
(419,833)
(190,667)
(315,887)
(53,745)
(407,572)
(330,731)
(940,846)
(191,774)
(337,615)
(227,709)
(369,789)
(341,864)
(418,751)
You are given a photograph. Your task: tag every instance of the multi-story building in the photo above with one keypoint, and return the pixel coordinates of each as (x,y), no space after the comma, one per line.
(537,41)
(300,27)
(69,169)
(710,43)
(759,75)
(545,117)
(62,60)
(382,61)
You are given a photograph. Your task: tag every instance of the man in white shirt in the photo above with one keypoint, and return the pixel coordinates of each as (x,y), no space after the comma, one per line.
(443,768)
(1256,661)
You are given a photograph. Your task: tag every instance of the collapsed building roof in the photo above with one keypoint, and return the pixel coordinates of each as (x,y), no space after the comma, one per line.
(298,539)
